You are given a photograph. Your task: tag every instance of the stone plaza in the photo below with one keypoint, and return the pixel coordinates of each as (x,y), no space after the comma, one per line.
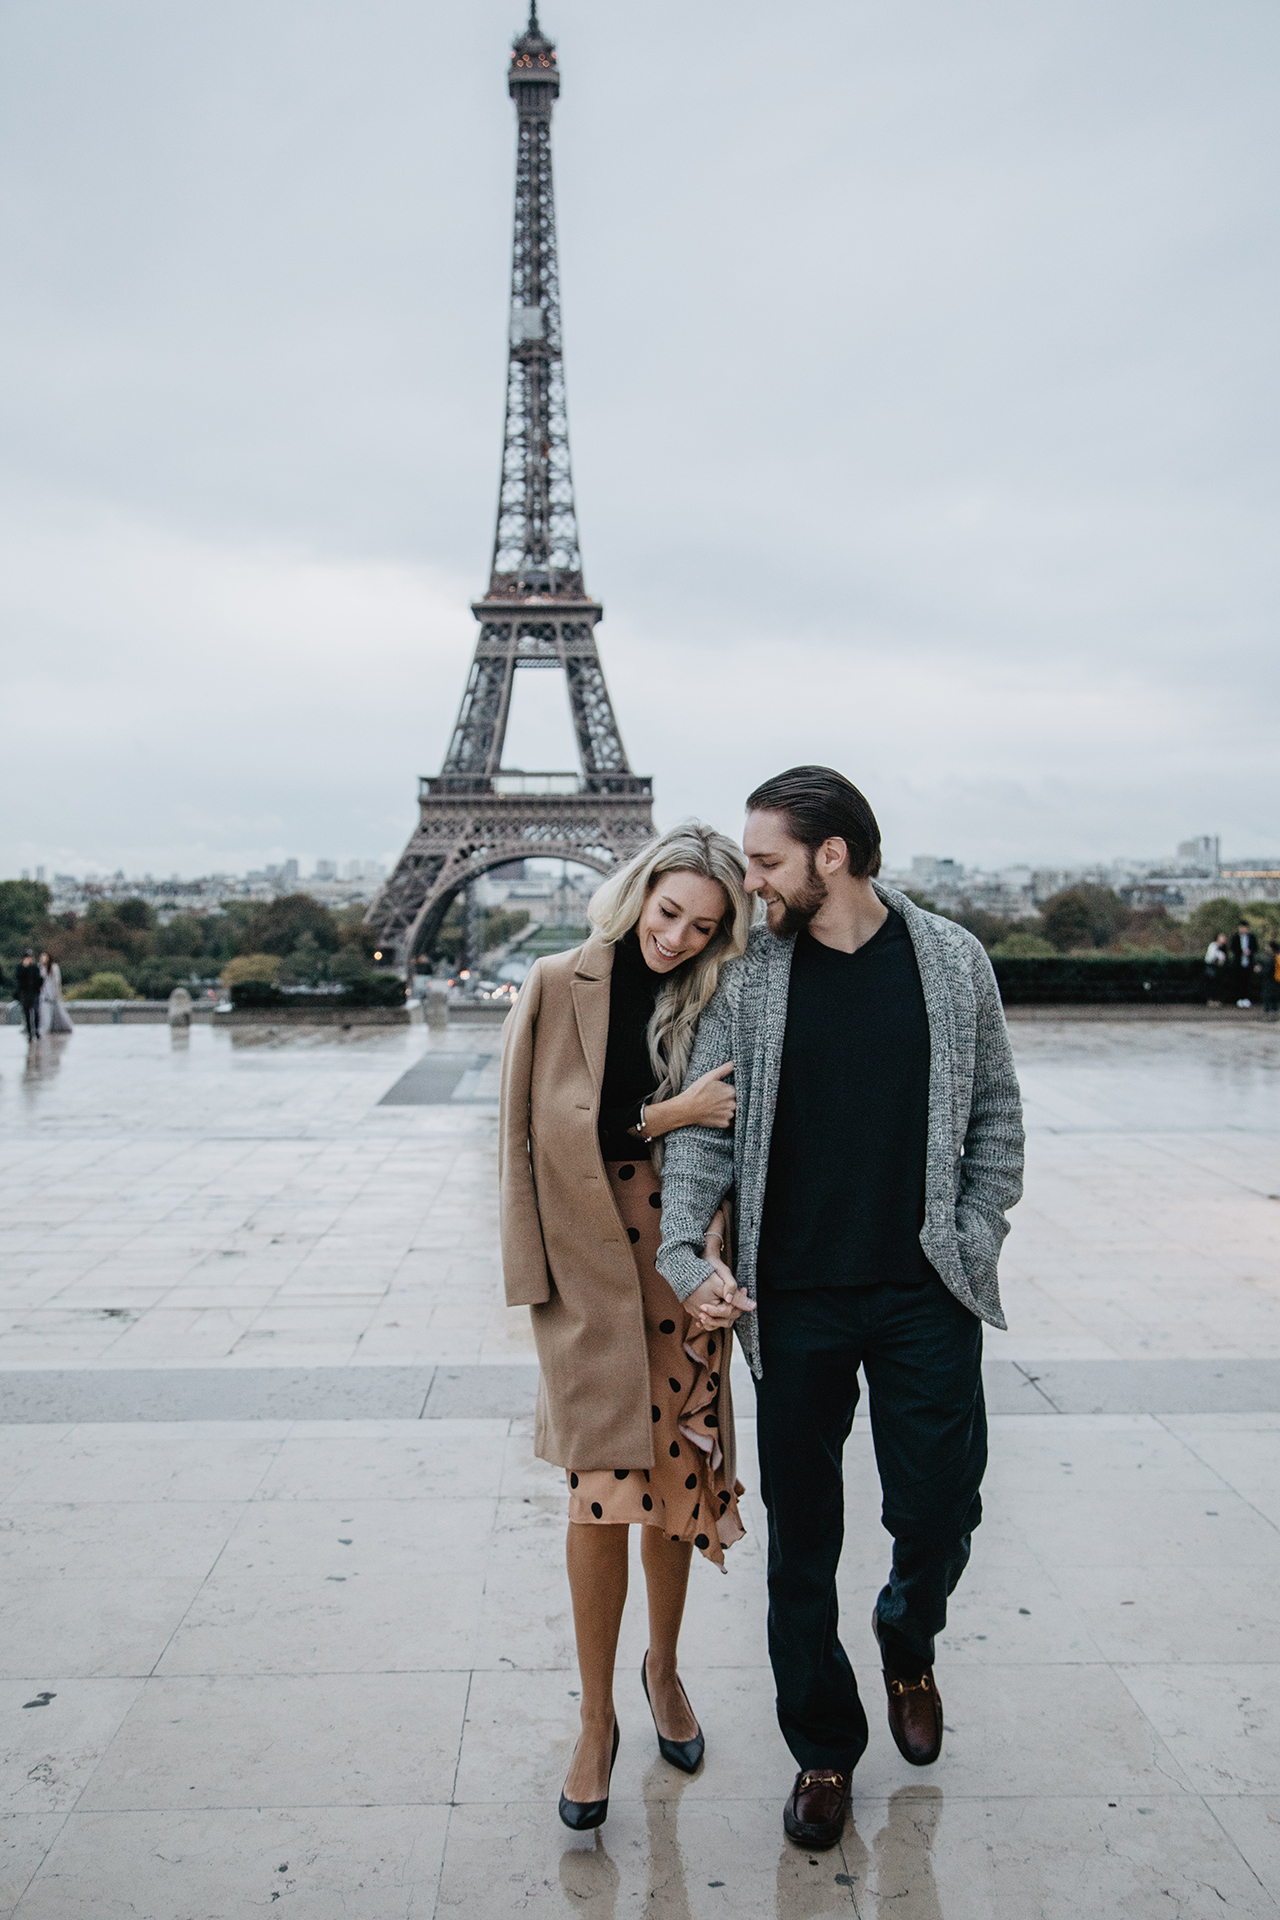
(286,1621)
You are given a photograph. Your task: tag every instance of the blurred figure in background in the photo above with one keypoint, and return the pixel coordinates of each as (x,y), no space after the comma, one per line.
(54,1017)
(1271,978)
(1244,964)
(1215,961)
(30,987)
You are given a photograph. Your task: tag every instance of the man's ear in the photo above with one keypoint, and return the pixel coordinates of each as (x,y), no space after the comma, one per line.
(834,854)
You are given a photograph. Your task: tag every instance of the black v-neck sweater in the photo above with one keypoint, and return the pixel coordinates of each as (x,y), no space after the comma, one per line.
(844,1202)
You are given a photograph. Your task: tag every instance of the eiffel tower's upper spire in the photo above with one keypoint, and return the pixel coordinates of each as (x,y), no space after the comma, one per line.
(533,57)
(535,549)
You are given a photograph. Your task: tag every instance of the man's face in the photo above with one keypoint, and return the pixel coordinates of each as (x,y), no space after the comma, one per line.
(783,872)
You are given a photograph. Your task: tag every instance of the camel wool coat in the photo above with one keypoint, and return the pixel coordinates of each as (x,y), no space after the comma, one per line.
(565,1251)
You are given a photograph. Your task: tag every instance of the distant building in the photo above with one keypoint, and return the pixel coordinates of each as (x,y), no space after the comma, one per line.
(1201,852)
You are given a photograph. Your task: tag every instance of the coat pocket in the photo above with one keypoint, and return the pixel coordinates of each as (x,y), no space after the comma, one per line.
(978,1242)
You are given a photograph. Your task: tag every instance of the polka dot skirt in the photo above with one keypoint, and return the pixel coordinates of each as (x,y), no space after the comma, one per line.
(684,1492)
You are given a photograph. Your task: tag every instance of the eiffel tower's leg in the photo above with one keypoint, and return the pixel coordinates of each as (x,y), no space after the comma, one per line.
(599,742)
(476,747)
(398,908)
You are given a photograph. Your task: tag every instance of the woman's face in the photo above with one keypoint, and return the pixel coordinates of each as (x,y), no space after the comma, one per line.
(679,916)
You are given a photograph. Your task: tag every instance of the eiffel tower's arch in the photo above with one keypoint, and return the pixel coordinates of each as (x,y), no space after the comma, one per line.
(461,844)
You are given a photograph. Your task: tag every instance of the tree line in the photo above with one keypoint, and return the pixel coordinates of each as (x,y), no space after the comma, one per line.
(295,940)
(119,947)
(1089,919)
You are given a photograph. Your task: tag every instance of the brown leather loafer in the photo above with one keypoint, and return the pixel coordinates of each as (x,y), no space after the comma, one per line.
(817,1808)
(915,1710)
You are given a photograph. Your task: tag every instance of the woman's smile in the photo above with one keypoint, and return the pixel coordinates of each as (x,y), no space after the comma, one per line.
(678,919)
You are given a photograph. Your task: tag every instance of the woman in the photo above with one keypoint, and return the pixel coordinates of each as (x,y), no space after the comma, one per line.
(633,1400)
(54,1017)
(1215,961)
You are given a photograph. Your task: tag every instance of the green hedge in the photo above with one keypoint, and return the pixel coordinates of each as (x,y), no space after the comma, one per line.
(377,990)
(1074,978)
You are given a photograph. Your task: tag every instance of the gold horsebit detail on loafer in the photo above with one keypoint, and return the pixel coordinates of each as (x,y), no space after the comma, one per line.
(820,1780)
(922,1685)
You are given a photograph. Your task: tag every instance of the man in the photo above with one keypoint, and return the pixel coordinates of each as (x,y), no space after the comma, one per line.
(877,1144)
(1244,962)
(1271,978)
(30,981)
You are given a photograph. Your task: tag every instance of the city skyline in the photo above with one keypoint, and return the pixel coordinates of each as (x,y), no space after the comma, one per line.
(966,488)
(1200,854)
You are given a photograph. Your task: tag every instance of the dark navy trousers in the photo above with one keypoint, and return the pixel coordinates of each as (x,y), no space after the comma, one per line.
(921,1353)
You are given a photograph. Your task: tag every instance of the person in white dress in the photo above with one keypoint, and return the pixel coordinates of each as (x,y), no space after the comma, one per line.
(54,1017)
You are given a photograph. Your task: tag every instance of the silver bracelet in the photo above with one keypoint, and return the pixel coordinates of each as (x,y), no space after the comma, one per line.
(647,1138)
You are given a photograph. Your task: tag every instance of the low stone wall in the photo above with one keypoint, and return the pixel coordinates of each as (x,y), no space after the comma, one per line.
(116,1013)
(313,1013)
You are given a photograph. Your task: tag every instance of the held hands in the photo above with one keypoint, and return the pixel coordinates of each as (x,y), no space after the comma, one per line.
(719,1301)
(708,1102)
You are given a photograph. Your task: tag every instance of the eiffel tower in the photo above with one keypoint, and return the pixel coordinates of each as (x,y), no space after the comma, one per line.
(475,814)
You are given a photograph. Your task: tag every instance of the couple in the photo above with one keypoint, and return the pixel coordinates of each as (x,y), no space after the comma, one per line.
(870,1142)
(40,996)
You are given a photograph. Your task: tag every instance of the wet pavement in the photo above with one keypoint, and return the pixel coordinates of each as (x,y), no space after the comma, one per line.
(286,1619)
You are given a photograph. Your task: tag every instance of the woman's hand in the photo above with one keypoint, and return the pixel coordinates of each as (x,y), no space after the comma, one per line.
(719,1301)
(709,1102)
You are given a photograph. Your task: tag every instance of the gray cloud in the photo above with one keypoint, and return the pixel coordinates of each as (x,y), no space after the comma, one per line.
(920,384)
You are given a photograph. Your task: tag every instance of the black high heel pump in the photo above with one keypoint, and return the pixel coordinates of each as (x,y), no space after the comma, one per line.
(582,1815)
(685,1754)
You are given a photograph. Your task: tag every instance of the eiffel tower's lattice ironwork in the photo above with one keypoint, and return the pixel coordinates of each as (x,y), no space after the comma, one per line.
(474,814)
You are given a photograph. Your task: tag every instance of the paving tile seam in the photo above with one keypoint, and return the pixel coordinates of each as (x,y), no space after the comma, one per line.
(926,1792)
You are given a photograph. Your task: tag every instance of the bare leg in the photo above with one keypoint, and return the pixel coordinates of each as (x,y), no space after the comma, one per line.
(597,1562)
(666,1572)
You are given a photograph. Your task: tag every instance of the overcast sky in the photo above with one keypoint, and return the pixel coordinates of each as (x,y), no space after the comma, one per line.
(921,384)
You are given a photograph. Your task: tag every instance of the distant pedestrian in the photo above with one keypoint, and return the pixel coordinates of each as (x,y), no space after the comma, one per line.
(1271,978)
(54,1017)
(30,987)
(1215,963)
(1245,963)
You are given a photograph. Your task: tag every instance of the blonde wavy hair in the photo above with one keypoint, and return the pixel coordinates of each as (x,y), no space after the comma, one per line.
(692,847)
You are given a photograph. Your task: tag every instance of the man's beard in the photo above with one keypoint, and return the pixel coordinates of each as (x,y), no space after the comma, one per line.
(800,909)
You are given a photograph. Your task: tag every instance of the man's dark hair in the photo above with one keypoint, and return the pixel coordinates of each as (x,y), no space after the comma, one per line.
(820,804)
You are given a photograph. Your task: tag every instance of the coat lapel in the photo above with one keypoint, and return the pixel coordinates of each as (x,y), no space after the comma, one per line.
(590,990)
(940,1010)
(767,1065)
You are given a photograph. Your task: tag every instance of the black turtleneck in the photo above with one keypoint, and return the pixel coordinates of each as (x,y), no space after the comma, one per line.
(629,1078)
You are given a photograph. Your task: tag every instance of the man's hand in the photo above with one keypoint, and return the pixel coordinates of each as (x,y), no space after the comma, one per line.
(719,1301)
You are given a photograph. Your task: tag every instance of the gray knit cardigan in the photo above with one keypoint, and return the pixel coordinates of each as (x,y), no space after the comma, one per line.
(973,1168)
